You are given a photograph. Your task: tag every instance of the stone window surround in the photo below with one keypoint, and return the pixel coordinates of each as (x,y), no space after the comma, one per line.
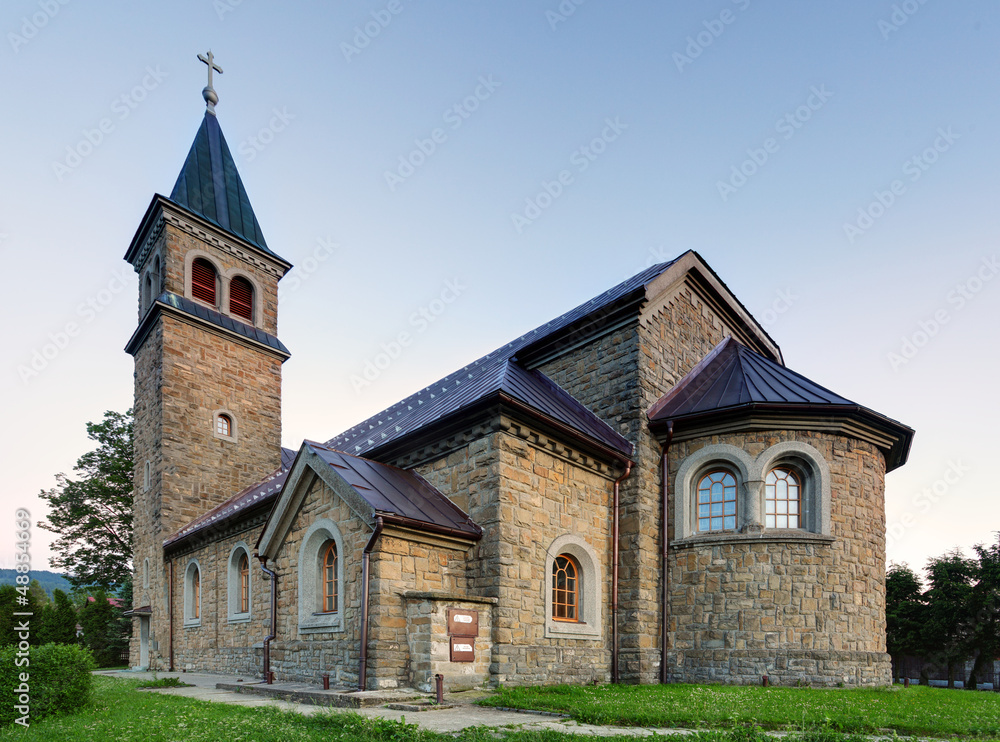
(190,620)
(311,620)
(222,278)
(589,590)
(145,572)
(807,461)
(233,587)
(234,428)
(147,475)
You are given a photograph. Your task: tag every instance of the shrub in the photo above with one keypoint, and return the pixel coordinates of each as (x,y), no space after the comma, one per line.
(59,680)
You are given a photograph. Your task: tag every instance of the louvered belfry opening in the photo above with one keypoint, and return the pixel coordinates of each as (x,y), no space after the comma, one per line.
(203,281)
(241,298)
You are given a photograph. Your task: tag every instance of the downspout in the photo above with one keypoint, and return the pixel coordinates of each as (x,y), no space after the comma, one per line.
(170,613)
(614,574)
(365,557)
(274,618)
(665,578)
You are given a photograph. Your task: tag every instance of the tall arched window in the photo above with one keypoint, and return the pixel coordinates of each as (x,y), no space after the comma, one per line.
(717,501)
(203,281)
(241,298)
(157,278)
(196,587)
(329,604)
(244,584)
(147,291)
(565,589)
(782,499)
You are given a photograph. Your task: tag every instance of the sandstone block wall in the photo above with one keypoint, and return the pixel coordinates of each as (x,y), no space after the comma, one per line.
(813,612)
(430,643)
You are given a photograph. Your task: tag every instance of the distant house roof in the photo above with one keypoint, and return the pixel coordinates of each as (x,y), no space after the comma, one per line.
(190,307)
(493,373)
(210,185)
(255,496)
(733,378)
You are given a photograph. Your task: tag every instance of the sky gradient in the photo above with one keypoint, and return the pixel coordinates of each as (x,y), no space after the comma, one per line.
(836,164)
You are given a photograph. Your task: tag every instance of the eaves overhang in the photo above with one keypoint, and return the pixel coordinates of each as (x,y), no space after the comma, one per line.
(189,311)
(892,438)
(161,203)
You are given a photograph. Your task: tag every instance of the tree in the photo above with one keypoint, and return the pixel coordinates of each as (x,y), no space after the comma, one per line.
(949,620)
(984,609)
(904,612)
(99,629)
(93,514)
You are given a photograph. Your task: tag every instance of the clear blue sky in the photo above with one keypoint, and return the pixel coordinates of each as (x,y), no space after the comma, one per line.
(822,106)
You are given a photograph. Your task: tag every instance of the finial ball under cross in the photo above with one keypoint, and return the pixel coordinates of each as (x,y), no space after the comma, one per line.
(211,97)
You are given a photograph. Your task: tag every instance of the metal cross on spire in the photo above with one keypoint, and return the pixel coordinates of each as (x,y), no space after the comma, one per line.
(209,94)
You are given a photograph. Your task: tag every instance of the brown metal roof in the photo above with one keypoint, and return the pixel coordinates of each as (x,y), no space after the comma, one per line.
(733,379)
(393,491)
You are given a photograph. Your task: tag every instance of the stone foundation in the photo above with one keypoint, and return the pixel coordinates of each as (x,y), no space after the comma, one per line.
(782,667)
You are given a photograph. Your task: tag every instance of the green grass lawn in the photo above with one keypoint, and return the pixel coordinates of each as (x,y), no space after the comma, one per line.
(120,711)
(930,711)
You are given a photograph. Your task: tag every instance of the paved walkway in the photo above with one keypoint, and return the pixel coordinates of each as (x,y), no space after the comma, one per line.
(463,714)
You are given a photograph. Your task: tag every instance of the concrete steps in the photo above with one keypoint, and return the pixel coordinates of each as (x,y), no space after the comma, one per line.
(340,698)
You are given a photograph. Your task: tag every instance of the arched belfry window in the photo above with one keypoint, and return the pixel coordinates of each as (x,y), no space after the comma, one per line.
(329,603)
(241,298)
(717,501)
(782,499)
(203,281)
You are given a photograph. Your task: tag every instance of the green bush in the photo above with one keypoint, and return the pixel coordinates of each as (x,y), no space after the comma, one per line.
(59,680)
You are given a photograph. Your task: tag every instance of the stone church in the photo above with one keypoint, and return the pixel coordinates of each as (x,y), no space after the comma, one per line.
(638,490)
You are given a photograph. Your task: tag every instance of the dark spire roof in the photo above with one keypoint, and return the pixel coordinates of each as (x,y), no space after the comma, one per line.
(733,381)
(210,186)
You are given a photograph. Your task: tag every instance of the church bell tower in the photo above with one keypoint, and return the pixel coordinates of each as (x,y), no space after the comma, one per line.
(207,362)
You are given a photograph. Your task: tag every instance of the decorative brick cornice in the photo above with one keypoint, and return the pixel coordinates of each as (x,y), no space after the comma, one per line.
(227,246)
(147,244)
(443,446)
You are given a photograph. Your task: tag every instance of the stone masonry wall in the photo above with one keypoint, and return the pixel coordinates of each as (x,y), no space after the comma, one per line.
(619,377)
(217,644)
(201,373)
(810,612)
(397,565)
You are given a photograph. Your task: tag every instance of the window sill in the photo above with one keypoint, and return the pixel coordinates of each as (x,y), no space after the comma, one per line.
(767,537)
(321,622)
(192,623)
(571,630)
(239,618)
